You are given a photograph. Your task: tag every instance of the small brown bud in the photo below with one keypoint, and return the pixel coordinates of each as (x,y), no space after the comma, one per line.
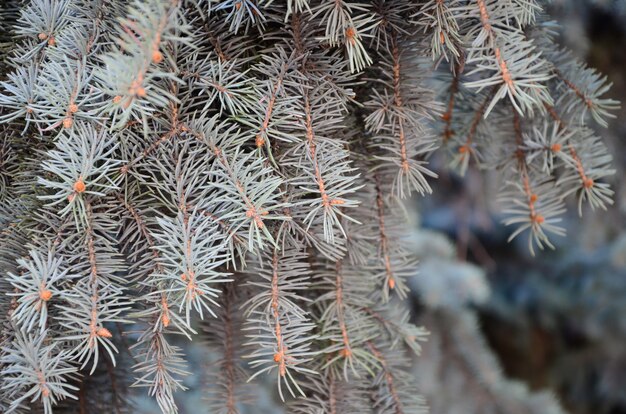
(104,333)
(157,57)
(73,108)
(42,36)
(68,122)
(350,33)
(45,295)
(79,186)
(259,141)
(117,99)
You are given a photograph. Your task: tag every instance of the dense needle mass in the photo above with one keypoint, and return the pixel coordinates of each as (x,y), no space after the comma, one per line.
(236,170)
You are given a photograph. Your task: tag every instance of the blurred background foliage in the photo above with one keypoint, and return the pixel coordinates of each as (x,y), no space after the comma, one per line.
(556,321)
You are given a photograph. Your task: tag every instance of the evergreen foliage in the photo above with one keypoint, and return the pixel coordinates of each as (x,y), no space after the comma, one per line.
(235,170)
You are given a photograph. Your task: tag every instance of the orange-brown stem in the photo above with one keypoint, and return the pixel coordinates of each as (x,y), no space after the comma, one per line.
(397,97)
(388,374)
(260,141)
(384,241)
(310,136)
(347,350)
(502,64)
(281,349)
